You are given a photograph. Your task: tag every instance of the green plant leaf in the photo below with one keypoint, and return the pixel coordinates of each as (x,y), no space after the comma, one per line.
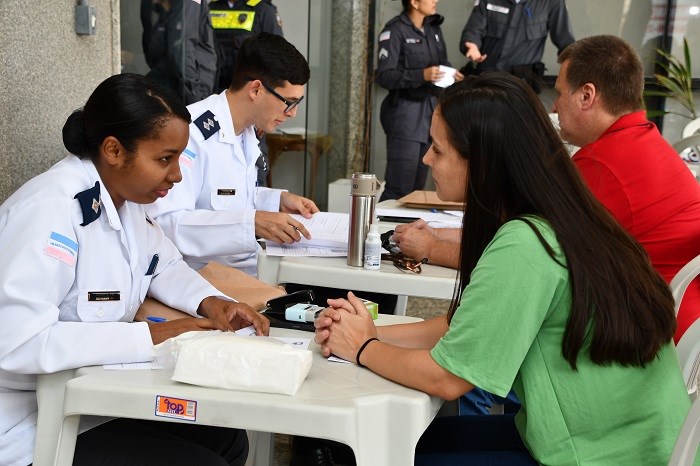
(677,82)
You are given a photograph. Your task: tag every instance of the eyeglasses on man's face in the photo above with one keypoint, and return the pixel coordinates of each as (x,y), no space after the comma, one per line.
(291,104)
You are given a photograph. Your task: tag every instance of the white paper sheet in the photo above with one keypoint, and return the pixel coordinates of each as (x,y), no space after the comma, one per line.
(133,366)
(328,229)
(274,249)
(448,78)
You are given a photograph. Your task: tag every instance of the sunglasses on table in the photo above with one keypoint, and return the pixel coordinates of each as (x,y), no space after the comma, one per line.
(401,262)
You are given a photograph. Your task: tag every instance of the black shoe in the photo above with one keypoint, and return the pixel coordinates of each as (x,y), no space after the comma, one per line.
(318,457)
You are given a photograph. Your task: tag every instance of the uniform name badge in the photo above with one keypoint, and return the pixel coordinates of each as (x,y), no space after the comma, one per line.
(104,295)
(226,192)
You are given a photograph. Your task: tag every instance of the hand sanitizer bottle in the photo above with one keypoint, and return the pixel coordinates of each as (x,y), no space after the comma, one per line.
(373,249)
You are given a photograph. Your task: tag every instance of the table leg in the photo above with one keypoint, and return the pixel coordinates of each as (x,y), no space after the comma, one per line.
(50,393)
(67,440)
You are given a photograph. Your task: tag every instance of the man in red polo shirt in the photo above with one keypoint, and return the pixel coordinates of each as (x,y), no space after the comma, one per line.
(624,159)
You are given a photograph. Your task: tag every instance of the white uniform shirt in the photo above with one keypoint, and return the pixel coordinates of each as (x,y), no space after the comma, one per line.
(50,269)
(210,215)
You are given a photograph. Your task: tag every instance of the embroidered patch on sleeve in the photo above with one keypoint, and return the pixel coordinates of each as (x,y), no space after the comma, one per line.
(187,158)
(386,35)
(62,248)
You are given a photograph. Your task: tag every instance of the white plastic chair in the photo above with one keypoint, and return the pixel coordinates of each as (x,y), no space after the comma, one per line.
(688,348)
(687,441)
(691,128)
(688,149)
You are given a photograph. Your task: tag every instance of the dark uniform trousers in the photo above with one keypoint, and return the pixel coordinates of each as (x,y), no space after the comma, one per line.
(405,170)
(134,442)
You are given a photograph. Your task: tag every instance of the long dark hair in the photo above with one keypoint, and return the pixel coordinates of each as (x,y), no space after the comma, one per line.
(621,308)
(129,107)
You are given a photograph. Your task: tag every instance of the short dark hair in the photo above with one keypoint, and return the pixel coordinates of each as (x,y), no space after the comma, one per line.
(129,107)
(406,5)
(271,59)
(612,66)
(622,310)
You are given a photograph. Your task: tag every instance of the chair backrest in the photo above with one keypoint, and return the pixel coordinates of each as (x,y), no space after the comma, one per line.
(688,350)
(688,439)
(688,347)
(691,128)
(683,278)
(692,141)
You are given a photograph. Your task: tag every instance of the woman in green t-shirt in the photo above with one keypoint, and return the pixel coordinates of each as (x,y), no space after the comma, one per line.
(559,303)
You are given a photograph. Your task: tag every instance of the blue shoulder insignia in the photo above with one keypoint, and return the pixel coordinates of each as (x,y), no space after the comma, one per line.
(90,204)
(207,124)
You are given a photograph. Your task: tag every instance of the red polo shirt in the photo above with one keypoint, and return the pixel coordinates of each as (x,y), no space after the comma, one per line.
(644,183)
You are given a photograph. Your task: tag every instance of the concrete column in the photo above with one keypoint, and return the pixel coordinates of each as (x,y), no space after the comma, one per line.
(349,87)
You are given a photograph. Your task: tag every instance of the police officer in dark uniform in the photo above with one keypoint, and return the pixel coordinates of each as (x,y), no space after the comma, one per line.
(411,48)
(510,35)
(178,44)
(234,21)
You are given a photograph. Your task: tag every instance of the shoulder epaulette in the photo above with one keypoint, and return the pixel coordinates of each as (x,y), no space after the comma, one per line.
(90,204)
(252,2)
(207,124)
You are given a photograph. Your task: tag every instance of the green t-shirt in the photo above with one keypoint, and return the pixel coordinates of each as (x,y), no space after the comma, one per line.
(507,332)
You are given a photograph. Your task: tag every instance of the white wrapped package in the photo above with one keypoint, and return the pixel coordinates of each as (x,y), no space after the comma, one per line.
(255,364)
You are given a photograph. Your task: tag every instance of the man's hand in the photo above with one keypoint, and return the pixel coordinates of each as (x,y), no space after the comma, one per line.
(230,316)
(473,53)
(415,239)
(279,227)
(432,74)
(163,330)
(293,204)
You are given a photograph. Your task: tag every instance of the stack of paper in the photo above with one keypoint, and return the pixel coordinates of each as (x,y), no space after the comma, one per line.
(329,237)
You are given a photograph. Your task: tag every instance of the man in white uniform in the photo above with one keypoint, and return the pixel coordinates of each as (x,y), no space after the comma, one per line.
(217,210)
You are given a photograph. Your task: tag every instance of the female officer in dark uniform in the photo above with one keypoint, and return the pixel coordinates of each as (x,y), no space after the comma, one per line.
(411,48)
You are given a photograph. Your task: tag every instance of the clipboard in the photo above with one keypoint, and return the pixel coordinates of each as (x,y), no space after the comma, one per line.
(428,200)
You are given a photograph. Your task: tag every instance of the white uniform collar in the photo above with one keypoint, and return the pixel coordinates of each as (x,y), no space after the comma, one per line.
(227,132)
(108,207)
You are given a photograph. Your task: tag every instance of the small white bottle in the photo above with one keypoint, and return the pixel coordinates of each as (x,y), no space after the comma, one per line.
(373,249)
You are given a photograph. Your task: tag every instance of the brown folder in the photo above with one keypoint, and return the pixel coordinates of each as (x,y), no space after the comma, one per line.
(230,281)
(428,200)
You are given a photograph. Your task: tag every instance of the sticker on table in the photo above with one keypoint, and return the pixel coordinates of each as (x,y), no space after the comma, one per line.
(176,408)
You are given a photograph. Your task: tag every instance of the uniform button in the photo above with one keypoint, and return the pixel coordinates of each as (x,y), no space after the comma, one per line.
(100,313)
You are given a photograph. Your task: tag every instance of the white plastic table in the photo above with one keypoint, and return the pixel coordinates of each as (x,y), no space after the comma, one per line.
(334,272)
(379,419)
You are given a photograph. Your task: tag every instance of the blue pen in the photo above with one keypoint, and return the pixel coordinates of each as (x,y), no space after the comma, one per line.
(155,319)
(152,266)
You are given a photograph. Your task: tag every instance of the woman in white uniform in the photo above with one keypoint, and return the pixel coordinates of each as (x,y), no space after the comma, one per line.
(78,257)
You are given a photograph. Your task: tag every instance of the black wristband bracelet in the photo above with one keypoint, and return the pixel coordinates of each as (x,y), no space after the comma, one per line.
(362,348)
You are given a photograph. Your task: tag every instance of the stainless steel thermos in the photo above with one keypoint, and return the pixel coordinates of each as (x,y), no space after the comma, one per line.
(363,192)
